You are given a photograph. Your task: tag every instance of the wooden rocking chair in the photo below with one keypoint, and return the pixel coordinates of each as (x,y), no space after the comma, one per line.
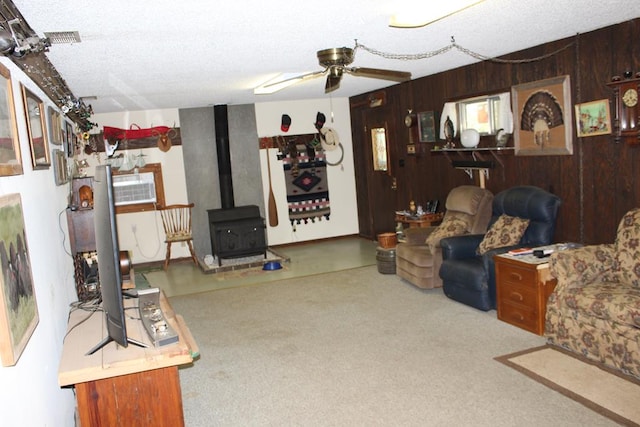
(176,220)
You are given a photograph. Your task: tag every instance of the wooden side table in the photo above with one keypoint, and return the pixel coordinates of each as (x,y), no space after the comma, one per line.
(523,285)
(125,386)
(425,220)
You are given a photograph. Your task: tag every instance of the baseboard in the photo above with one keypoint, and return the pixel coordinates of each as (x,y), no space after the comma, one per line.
(160,264)
(326,239)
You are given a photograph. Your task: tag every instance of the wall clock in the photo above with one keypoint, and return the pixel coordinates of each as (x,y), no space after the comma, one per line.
(626,109)
(410,119)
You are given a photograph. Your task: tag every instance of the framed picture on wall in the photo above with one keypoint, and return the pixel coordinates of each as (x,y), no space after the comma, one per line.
(593,118)
(37,130)
(69,139)
(10,158)
(60,168)
(18,308)
(55,126)
(542,117)
(427,126)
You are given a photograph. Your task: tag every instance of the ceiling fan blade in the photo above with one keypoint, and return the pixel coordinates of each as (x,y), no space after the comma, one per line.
(377,73)
(333,79)
(281,84)
(333,83)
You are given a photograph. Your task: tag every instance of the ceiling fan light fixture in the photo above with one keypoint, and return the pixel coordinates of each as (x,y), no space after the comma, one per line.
(415,14)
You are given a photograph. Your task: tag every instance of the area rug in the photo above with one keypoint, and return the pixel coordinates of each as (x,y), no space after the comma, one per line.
(603,390)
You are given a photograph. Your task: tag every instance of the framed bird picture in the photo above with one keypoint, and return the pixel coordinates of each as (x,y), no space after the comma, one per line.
(542,117)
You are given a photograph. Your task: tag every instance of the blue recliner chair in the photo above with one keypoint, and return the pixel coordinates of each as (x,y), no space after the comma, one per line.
(470,278)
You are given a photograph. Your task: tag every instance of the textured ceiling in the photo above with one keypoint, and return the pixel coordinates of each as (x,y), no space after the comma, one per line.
(137,55)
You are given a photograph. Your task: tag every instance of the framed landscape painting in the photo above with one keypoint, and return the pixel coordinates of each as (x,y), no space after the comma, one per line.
(18,308)
(593,118)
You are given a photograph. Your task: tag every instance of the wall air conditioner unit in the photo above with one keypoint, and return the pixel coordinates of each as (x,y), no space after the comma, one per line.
(134,188)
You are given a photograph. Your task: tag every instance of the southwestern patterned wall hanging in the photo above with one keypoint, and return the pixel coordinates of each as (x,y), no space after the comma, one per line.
(305,170)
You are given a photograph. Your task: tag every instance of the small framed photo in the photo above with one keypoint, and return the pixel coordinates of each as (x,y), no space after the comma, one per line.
(69,139)
(60,168)
(55,126)
(427,126)
(593,118)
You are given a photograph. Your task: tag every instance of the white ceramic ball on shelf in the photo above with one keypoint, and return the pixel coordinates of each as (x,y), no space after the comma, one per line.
(470,138)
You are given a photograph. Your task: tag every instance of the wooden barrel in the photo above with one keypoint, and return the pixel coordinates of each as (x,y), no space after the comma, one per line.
(386,258)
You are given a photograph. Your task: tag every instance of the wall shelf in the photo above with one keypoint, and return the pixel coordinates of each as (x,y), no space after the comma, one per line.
(478,160)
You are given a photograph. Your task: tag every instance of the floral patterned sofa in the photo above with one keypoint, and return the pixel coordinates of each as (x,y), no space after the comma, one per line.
(595,307)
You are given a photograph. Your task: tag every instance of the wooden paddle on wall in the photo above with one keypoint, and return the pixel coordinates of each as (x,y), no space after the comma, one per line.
(273,209)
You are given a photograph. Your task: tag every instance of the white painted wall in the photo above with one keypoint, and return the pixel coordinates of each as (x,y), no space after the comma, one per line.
(342,187)
(30,394)
(29,391)
(147,243)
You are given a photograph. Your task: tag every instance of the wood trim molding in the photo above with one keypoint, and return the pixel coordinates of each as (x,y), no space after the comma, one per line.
(156,168)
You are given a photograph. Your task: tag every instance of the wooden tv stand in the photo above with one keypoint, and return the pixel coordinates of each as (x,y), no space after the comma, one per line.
(130,386)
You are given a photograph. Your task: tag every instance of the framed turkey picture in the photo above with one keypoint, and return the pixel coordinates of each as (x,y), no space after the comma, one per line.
(542,117)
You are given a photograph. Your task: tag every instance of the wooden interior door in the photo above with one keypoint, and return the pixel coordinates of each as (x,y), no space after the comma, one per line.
(380,180)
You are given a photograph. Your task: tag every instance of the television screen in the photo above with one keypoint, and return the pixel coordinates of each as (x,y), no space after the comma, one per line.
(108,251)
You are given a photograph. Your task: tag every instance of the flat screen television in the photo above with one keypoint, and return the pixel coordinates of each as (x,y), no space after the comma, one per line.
(108,251)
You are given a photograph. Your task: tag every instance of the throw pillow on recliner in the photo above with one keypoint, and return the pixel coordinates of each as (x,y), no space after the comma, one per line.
(506,231)
(450,226)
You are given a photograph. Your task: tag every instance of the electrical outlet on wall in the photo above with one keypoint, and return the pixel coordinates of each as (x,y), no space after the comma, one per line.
(134,228)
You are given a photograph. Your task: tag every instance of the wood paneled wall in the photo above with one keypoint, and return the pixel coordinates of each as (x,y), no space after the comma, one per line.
(597,184)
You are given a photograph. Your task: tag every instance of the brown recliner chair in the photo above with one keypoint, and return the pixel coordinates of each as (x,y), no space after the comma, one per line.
(418,259)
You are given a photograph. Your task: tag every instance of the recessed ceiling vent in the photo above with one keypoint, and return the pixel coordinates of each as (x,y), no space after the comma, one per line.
(63,37)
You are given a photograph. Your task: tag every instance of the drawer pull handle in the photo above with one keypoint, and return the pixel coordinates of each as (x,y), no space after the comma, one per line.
(518,316)
(515,276)
(517,296)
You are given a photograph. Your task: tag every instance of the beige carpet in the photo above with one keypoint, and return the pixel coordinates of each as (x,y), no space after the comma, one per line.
(601,389)
(358,348)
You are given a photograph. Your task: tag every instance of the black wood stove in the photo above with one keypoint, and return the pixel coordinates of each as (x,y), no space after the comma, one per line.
(235,231)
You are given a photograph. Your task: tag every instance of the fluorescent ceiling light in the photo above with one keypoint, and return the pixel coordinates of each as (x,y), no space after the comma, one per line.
(279,82)
(413,14)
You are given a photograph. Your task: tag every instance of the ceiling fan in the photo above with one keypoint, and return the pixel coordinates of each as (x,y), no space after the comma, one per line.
(336,63)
